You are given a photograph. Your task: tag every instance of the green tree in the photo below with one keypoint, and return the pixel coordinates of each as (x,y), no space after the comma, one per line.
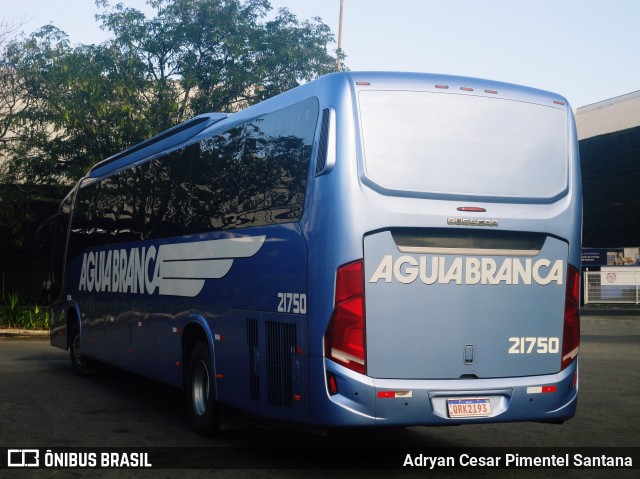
(9,87)
(219,55)
(81,104)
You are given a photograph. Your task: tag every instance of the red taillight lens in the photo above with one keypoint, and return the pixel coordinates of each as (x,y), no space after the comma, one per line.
(344,340)
(571,333)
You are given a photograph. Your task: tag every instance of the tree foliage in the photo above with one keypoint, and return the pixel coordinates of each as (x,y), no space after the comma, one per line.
(65,107)
(9,84)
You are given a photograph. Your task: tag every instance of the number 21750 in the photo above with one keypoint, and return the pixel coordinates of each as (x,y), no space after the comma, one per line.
(526,345)
(295,303)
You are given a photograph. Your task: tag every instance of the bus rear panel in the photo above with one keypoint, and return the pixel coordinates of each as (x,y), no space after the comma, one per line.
(468,211)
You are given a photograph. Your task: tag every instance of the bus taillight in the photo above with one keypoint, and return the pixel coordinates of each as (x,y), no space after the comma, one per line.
(571,333)
(344,339)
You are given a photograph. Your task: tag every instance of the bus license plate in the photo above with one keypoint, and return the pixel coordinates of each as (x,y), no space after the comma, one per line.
(469,407)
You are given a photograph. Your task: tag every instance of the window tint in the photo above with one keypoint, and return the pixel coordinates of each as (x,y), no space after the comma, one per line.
(51,239)
(253,174)
(214,192)
(274,168)
(99,217)
(164,185)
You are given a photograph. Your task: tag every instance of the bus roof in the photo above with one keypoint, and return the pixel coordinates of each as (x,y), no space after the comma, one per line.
(333,82)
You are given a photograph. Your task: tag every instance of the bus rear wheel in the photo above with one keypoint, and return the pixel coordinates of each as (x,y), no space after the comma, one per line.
(203,409)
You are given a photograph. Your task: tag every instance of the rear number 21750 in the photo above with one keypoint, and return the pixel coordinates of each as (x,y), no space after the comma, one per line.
(534,345)
(295,303)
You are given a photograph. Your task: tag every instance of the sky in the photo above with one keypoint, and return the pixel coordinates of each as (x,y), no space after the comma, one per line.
(586,50)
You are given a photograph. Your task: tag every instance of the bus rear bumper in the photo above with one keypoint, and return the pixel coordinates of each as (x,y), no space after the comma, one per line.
(361,400)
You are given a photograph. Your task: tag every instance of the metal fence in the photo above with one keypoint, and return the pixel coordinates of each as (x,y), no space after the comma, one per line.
(612,287)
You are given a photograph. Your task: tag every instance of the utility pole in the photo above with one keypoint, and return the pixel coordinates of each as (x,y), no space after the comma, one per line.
(340,34)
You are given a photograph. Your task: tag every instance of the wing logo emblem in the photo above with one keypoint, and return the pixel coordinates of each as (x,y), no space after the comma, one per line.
(184,267)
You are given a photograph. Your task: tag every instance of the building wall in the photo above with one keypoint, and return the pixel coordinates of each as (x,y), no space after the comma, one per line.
(23,268)
(611,189)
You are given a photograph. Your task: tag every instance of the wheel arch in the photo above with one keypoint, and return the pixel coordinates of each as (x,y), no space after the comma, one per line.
(73,323)
(196,329)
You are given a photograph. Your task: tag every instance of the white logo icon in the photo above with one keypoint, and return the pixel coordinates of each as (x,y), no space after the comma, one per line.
(23,458)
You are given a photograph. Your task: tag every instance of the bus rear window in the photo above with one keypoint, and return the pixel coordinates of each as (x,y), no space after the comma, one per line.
(466,145)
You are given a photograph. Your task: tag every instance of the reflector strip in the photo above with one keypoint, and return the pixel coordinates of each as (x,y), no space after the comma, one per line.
(394,394)
(333,385)
(541,389)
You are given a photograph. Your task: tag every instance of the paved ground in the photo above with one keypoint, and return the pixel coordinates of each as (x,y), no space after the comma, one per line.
(45,405)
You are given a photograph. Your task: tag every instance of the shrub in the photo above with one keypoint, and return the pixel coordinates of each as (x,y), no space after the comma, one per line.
(15,315)
(11,310)
(34,318)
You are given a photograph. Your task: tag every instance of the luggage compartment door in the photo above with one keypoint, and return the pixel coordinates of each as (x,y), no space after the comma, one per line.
(463,304)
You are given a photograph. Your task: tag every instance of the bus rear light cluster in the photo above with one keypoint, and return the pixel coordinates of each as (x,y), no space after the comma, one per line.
(571,330)
(345,336)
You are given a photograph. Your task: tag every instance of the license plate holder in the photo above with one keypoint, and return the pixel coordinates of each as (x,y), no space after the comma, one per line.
(469,407)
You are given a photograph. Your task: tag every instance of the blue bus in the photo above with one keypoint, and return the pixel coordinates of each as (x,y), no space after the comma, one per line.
(368,249)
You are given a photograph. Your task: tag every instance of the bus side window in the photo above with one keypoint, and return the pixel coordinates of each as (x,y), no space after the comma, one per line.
(214,192)
(51,239)
(275,165)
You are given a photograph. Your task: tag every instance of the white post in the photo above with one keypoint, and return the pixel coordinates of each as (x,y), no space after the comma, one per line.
(586,287)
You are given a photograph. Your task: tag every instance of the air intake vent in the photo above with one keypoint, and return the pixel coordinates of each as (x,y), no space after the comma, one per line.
(254,359)
(323,142)
(281,344)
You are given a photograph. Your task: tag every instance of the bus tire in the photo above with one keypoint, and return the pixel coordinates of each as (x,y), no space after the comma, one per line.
(203,409)
(79,363)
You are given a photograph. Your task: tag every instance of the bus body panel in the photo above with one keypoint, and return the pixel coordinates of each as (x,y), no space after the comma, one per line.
(263,296)
(140,329)
(399,402)
(445,316)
